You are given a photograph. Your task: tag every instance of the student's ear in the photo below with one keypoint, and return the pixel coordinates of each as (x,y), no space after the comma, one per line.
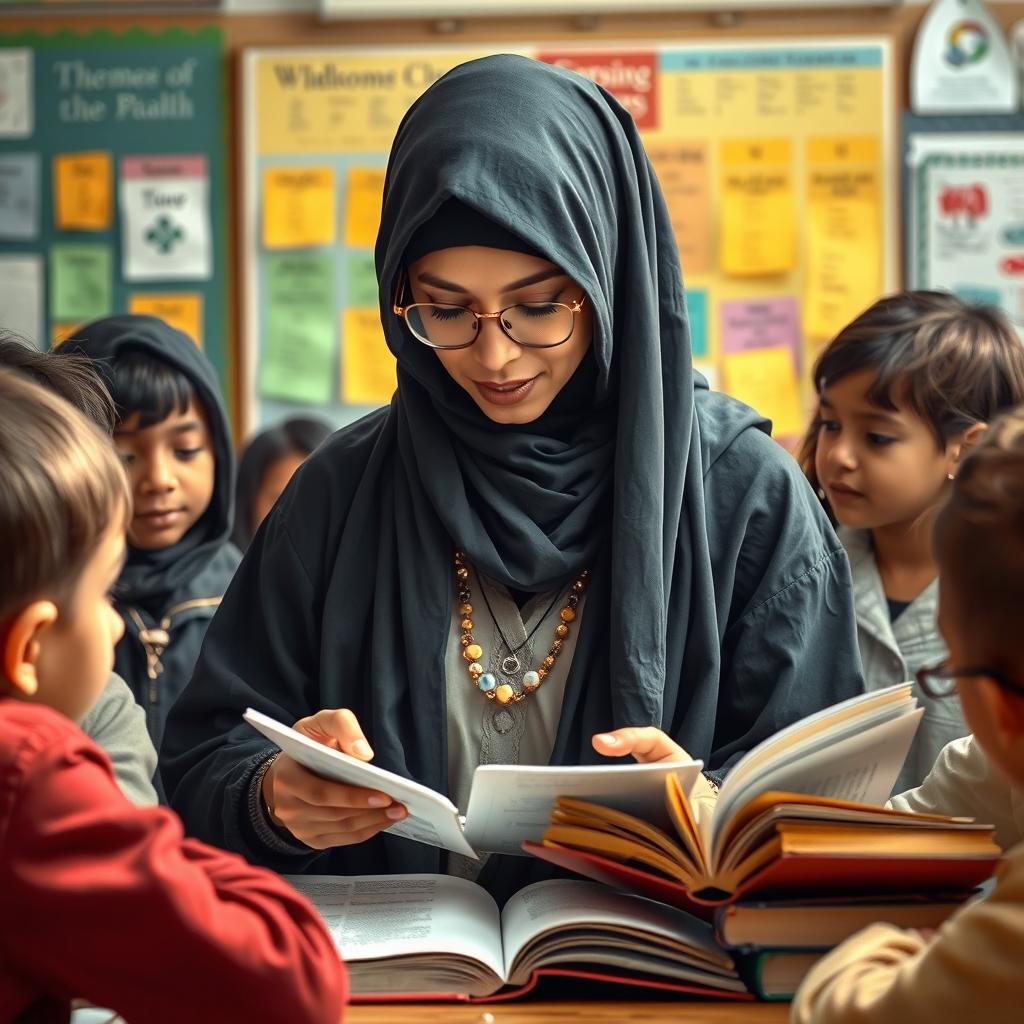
(960,448)
(21,647)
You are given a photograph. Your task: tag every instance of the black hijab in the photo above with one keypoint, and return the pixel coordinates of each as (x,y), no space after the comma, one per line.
(150,577)
(553,158)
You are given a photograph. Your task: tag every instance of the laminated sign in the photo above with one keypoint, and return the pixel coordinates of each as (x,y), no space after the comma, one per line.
(165,218)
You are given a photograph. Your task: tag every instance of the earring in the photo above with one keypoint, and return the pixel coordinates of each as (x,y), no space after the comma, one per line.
(949,476)
(821,493)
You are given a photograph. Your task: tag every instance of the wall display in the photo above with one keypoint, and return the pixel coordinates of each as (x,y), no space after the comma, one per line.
(775,160)
(112,177)
(964,197)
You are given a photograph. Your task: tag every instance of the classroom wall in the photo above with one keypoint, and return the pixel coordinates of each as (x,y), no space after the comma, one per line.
(304,28)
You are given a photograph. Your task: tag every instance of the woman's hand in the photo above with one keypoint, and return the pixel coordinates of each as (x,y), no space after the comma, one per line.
(320,813)
(647,744)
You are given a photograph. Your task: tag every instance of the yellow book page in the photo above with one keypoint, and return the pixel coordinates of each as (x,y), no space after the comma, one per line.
(686,823)
(800,837)
(579,814)
(605,844)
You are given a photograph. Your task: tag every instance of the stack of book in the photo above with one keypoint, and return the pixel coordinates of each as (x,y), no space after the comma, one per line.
(732,897)
(796,853)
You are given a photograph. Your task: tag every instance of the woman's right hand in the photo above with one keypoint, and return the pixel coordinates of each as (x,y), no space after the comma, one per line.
(320,813)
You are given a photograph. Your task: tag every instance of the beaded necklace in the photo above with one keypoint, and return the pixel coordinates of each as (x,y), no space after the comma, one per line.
(485,682)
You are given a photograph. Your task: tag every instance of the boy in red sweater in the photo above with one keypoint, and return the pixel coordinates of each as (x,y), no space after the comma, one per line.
(103,900)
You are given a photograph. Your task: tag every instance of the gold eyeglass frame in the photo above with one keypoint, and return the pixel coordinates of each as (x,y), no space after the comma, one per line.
(400,310)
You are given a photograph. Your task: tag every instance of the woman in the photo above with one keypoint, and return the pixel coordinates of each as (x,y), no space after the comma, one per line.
(716,603)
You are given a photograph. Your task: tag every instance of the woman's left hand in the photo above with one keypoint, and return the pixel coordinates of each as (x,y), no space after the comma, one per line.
(647,744)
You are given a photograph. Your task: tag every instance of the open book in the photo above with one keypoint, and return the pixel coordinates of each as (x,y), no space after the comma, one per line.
(507,803)
(437,935)
(799,813)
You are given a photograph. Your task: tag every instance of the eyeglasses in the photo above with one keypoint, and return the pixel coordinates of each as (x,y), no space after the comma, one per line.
(444,325)
(940,681)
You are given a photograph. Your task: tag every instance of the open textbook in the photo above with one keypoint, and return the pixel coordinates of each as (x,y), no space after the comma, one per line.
(801,812)
(437,935)
(507,803)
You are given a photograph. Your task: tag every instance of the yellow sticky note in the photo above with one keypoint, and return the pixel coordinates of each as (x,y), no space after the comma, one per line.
(82,190)
(363,199)
(298,207)
(844,232)
(368,374)
(682,169)
(60,333)
(765,378)
(758,207)
(185,312)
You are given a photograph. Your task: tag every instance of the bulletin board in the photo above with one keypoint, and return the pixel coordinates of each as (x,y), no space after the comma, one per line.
(964,203)
(775,159)
(112,197)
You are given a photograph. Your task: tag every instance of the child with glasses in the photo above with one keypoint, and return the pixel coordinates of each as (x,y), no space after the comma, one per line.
(904,390)
(970,969)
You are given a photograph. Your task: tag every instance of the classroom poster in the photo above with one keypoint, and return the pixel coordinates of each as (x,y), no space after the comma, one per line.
(774,160)
(966,230)
(112,177)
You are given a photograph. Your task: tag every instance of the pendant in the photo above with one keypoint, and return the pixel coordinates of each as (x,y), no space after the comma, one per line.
(510,664)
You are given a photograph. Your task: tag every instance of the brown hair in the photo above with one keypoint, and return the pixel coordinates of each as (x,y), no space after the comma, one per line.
(950,363)
(69,375)
(979,534)
(63,485)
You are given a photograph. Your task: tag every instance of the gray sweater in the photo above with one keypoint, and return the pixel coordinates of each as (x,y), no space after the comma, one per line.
(118,725)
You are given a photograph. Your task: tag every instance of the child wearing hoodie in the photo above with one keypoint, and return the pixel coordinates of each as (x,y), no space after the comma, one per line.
(172,436)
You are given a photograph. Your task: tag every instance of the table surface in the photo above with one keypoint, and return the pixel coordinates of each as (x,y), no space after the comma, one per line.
(679,1012)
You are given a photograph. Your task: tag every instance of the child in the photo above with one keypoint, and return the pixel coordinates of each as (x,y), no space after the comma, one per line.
(267,464)
(904,390)
(102,899)
(971,970)
(116,722)
(172,434)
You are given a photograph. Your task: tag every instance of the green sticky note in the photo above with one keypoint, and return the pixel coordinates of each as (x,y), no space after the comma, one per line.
(299,328)
(697,311)
(362,281)
(80,282)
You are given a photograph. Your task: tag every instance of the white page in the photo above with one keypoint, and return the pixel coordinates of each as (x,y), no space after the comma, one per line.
(21,297)
(433,818)
(861,768)
(509,804)
(374,916)
(565,903)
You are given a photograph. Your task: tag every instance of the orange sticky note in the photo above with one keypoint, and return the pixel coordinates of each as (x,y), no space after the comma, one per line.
(363,198)
(368,374)
(185,312)
(298,207)
(60,333)
(82,191)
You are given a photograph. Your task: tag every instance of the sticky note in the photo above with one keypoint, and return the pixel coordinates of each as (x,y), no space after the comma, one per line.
(82,191)
(298,207)
(362,280)
(682,170)
(765,378)
(21,296)
(697,314)
(299,336)
(16,93)
(368,374)
(758,208)
(19,196)
(185,312)
(59,333)
(364,195)
(761,323)
(80,282)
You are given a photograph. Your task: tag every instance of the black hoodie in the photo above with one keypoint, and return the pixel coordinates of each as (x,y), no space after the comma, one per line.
(167,597)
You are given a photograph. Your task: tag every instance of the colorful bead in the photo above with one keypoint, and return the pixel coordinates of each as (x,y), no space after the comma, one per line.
(465,608)
(504,693)
(531,681)
(487,682)
(462,572)
(476,669)
(567,615)
(561,630)
(548,662)
(467,624)
(474,652)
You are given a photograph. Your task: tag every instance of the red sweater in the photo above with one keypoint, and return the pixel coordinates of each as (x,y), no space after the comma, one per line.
(107,901)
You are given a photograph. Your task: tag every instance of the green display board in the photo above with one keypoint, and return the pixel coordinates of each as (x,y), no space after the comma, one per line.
(112,190)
